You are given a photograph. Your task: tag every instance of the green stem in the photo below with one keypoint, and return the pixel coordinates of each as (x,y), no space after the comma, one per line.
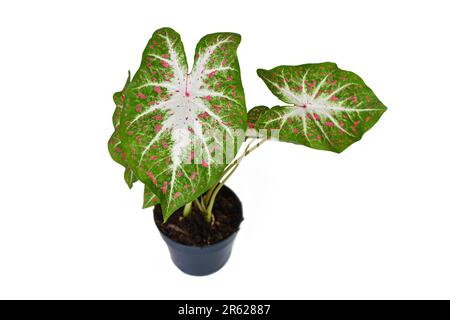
(187,209)
(214,194)
(233,166)
(199,205)
(228,168)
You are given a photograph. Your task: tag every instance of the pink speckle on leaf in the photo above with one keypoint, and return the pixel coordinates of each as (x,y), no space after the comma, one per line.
(165,56)
(224,61)
(158,128)
(329,124)
(164,187)
(211,74)
(334,98)
(204,164)
(153,158)
(152,177)
(295,130)
(139,108)
(203,115)
(312,85)
(316,116)
(164,143)
(190,157)
(141,95)
(176,195)
(193,175)
(208,98)
(179,174)
(158,89)
(158,117)
(138,138)
(164,64)
(319,137)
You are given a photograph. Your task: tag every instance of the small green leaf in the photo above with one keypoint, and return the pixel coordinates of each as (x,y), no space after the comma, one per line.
(254,114)
(150,199)
(166,107)
(129,177)
(328,108)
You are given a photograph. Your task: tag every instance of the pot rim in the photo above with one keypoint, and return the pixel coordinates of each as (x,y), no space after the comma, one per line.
(200,249)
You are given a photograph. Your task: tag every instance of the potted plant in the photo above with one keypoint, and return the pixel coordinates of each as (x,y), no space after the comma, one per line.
(183,133)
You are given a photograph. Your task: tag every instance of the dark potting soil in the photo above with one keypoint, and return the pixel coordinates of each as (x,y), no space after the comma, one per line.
(194,230)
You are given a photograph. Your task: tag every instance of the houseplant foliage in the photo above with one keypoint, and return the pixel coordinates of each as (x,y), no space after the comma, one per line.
(326,108)
(164,104)
(179,130)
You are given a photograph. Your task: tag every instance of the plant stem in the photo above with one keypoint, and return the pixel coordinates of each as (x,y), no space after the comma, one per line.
(187,209)
(228,168)
(212,193)
(199,205)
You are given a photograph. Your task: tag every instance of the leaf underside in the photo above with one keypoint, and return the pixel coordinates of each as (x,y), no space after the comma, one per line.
(327,108)
(166,107)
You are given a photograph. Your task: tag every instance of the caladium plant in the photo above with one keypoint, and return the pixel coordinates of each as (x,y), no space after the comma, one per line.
(179,130)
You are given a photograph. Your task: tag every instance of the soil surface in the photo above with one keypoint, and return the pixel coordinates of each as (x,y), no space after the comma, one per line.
(194,230)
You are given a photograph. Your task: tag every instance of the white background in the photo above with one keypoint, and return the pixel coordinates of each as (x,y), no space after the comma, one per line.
(372,222)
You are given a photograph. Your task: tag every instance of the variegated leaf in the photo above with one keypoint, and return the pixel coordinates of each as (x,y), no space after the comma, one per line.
(328,109)
(254,114)
(115,143)
(150,199)
(166,108)
(115,146)
(130,177)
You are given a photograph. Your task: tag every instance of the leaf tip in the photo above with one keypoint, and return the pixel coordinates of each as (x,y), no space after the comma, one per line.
(164,29)
(260,72)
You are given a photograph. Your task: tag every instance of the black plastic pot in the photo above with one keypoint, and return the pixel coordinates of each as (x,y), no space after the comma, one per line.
(202,261)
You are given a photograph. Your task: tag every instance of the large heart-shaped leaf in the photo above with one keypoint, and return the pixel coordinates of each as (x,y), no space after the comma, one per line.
(176,123)
(328,109)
